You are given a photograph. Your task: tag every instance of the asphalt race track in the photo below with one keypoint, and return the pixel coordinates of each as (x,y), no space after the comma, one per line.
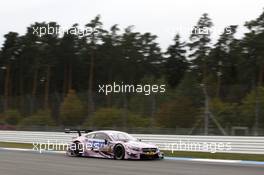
(29,163)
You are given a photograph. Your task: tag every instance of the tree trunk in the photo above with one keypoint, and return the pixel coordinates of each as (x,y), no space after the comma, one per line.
(204,76)
(260,78)
(6,90)
(70,77)
(90,88)
(153,108)
(218,89)
(125,111)
(34,85)
(34,90)
(21,88)
(65,81)
(10,91)
(47,84)
(109,96)
(257,100)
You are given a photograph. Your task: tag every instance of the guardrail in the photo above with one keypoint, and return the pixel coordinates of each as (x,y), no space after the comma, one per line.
(223,144)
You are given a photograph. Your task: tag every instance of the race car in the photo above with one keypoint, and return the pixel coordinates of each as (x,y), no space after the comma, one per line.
(111,144)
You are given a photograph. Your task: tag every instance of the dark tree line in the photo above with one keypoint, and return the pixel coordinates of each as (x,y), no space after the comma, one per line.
(37,72)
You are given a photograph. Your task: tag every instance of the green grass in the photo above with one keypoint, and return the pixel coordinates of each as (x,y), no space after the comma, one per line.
(231,156)
(16,145)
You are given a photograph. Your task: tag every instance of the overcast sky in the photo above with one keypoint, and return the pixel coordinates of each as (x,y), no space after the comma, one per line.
(161,17)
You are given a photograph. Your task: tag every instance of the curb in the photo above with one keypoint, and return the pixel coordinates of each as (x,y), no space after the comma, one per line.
(245,162)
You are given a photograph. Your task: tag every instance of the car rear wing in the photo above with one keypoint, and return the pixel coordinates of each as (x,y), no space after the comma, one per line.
(79,131)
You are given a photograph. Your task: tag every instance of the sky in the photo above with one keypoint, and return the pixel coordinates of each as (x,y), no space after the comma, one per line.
(163,18)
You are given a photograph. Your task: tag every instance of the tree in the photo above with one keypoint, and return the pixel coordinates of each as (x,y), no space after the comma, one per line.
(223,61)
(200,45)
(130,55)
(93,34)
(49,46)
(29,65)
(150,59)
(179,112)
(248,108)
(12,117)
(176,63)
(184,107)
(68,56)
(254,50)
(105,117)
(146,105)
(40,119)
(113,118)
(226,113)
(71,111)
(109,59)
(191,88)
(37,71)
(8,54)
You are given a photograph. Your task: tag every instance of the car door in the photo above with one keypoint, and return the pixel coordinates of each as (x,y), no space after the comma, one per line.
(97,141)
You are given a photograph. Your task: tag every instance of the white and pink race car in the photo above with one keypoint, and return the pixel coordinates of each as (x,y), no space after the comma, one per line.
(111,144)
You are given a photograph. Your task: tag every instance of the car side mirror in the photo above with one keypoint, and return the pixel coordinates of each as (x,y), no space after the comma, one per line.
(106,142)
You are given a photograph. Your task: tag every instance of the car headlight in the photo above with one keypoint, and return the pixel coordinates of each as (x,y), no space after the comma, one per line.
(134,148)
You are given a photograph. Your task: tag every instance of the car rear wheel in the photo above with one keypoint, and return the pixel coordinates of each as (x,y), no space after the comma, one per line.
(78,149)
(119,152)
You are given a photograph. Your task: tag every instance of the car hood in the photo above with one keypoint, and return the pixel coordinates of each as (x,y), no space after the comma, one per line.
(139,144)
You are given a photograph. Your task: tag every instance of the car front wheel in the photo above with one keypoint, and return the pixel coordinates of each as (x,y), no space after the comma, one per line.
(119,152)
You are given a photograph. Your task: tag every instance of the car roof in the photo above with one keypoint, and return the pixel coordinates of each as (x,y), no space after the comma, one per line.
(108,132)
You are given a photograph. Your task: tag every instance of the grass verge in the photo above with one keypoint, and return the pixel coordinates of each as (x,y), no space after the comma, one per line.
(231,156)
(16,145)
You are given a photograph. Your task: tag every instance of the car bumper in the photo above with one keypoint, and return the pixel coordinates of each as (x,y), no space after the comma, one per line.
(142,156)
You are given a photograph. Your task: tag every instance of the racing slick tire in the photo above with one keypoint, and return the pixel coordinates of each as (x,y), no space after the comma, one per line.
(78,151)
(119,152)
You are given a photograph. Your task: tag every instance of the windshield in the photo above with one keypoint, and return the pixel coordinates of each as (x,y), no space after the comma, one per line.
(120,136)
